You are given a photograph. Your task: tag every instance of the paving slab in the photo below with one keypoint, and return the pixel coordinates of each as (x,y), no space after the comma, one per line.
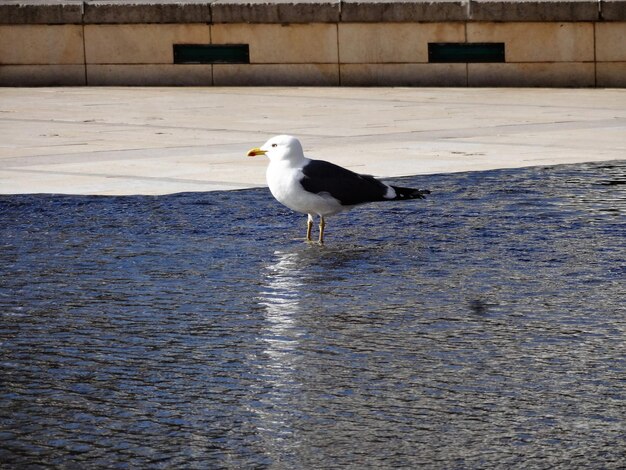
(115,141)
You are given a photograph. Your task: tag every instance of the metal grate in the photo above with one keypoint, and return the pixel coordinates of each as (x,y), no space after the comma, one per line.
(465,52)
(211,54)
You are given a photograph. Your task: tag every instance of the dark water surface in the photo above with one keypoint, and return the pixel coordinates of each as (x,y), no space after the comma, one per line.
(483,327)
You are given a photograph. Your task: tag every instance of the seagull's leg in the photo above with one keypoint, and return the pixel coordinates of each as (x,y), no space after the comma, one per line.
(309,226)
(322,225)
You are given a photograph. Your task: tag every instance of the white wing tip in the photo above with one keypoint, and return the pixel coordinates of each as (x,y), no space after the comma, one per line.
(391,193)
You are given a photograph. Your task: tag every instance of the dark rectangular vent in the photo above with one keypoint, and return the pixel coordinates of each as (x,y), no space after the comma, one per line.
(476,52)
(211,54)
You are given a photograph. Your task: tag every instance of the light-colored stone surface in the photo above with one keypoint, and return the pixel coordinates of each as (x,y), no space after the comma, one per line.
(41,44)
(560,74)
(403,74)
(140,43)
(611,42)
(282,44)
(150,75)
(163,140)
(310,54)
(379,43)
(611,74)
(276,74)
(42,75)
(538,42)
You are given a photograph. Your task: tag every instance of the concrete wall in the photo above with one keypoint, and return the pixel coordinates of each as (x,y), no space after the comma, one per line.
(570,43)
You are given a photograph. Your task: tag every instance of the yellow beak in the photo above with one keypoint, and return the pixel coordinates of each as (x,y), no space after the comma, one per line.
(256,151)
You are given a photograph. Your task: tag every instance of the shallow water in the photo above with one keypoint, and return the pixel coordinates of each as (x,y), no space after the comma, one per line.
(482,327)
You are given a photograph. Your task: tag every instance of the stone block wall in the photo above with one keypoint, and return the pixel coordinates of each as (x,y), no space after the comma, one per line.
(554,43)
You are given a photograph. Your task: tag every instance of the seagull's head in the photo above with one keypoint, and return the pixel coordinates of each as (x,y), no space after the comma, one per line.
(281,147)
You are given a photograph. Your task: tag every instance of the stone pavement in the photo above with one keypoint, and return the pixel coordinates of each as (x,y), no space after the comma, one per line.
(164,140)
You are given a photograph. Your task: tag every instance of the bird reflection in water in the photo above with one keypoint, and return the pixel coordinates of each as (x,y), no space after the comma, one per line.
(281,302)
(280,299)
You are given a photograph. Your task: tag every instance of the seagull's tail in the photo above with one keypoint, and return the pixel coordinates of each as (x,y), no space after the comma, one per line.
(409,193)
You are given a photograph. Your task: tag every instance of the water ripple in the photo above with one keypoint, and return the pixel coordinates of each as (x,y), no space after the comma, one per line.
(482,327)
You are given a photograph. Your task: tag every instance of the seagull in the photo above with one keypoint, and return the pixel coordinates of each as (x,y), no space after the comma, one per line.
(317,187)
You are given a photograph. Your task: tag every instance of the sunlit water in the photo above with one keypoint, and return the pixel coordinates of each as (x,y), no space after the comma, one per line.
(482,327)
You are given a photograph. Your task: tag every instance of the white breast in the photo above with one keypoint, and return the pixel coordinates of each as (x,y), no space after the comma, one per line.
(284,183)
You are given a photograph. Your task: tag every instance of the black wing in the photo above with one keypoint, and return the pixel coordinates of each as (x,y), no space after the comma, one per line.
(348,187)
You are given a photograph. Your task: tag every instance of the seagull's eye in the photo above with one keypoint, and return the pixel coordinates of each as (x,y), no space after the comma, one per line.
(274,145)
